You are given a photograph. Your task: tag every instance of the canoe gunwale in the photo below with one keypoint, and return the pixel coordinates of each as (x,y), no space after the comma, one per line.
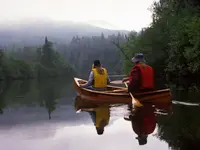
(101,92)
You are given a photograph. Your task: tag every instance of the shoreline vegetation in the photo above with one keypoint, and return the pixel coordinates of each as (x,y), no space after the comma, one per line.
(60,60)
(171,44)
(49,63)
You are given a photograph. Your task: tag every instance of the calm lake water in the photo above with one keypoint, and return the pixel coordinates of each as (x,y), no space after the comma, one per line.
(42,116)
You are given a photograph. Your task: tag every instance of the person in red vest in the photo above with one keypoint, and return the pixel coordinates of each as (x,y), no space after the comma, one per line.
(141,78)
(143,122)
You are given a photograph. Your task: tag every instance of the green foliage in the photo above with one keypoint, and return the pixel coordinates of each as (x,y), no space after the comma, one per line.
(34,63)
(15,69)
(184,48)
(82,51)
(171,42)
(48,54)
(56,59)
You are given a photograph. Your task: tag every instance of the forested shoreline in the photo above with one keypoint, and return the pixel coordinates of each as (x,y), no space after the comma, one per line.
(54,59)
(37,62)
(171,43)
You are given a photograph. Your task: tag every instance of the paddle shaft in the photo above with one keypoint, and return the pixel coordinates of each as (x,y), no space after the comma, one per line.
(133,99)
(117,82)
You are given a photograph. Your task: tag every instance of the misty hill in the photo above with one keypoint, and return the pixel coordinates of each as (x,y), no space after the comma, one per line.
(33,32)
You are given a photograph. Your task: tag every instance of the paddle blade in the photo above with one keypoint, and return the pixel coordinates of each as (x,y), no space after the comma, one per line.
(78,111)
(136,102)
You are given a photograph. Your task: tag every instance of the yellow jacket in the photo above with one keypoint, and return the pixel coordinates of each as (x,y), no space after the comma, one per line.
(100,77)
(102,113)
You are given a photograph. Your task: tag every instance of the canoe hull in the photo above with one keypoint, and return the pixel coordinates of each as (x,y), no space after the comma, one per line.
(160,96)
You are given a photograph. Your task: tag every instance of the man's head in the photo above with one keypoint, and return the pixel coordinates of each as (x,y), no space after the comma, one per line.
(97,63)
(139,57)
(142,139)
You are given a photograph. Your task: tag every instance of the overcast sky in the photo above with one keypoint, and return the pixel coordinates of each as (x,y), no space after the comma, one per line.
(122,14)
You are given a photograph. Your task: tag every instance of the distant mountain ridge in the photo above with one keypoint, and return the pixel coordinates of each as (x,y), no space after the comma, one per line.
(102,24)
(33,32)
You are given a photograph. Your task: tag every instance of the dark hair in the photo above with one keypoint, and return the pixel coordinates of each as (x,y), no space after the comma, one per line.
(97,63)
(100,131)
(142,140)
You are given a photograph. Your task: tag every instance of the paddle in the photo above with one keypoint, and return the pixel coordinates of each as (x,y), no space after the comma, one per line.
(78,111)
(134,101)
(84,109)
(116,82)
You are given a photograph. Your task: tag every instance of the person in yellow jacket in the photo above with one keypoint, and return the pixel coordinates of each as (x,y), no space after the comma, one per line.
(98,78)
(100,117)
(100,114)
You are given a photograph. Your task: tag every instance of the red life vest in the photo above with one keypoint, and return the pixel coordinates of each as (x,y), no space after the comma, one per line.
(147,76)
(145,125)
(144,121)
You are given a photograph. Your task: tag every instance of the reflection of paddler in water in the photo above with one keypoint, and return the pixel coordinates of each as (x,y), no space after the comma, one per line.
(143,122)
(100,115)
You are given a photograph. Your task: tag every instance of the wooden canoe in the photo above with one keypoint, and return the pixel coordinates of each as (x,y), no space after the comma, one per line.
(158,96)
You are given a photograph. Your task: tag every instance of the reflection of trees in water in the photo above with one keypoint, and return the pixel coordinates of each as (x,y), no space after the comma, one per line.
(49,92)
(15,93)
(186,93)
(49,99)
(182,129)
(33,92)
(3,88)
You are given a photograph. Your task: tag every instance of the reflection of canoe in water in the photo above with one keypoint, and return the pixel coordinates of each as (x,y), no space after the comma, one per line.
(81,104)
(159,96)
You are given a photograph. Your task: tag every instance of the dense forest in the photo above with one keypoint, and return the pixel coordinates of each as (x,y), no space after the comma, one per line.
(171,43)
(54,59)
(33,63)
(81,52)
